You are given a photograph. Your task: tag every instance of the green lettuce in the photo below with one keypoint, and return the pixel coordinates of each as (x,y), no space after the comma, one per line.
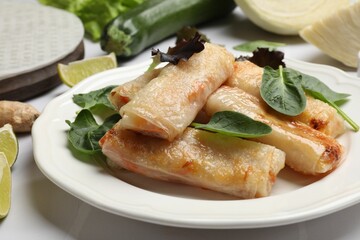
(94,14)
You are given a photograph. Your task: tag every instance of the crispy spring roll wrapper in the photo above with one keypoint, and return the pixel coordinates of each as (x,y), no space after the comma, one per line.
(123,93)
(308,151)
(171,101)
(317,114)
(221,163)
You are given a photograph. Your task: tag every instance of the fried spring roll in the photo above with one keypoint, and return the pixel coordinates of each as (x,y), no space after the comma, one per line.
(171,101)
(317,114)
(221,163)
(122,94)
(307,150)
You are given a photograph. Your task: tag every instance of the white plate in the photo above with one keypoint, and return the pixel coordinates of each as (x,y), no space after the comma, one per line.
(294,198)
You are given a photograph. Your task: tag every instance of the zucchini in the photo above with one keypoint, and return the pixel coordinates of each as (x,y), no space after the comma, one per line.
(154,20)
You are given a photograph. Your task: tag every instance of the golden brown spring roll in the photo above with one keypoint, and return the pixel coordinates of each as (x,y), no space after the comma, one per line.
(122,94)
(307,150)
(217,162)
(171,101)
(317,114)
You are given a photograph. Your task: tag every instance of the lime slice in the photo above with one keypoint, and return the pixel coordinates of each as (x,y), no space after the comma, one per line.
(77,71)
(5,186)
(9,143)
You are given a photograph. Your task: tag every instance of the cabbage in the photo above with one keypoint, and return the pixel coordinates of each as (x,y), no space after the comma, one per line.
(288,17)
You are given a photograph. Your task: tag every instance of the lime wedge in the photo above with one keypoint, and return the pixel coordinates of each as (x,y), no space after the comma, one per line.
(77,71)
(9,143)
(5,186)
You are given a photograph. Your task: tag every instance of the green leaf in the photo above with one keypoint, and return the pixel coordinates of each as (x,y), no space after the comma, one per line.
(253,45)
(234,124)
(312,84)
(281,90)
(94,98)
(85,132)
(318,94)
(275,84)
(94,14)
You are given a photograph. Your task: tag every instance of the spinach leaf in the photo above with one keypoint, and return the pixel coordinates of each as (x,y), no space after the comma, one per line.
(284,90)
(234,124)
(253,45)
(281,90)
(94,99)
(311,84)
(321,91)
(85,132)
(318,94)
